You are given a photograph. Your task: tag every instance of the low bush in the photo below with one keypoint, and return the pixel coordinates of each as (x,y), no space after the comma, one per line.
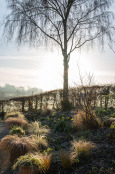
(62,126)
(17,130)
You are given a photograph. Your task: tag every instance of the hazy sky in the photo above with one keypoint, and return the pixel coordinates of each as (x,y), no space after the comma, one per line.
(37,67)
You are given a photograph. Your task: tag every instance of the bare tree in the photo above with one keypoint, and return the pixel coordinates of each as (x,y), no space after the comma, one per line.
(68,23)
(111,47)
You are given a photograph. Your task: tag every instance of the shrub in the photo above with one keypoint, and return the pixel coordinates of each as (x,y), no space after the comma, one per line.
(82,148)
(67,158)
(10,122)
(17,146)
(17,130)
(62,126)
(82,121)
(14,115)
(35,161)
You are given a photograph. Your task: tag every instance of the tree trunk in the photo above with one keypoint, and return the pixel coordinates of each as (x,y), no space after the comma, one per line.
(65,56)
(65,84)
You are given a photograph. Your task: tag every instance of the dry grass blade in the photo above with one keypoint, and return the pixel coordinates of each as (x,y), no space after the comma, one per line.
(16,121)
(17,146)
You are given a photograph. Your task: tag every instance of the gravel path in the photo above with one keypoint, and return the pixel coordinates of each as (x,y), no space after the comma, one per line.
(3,130)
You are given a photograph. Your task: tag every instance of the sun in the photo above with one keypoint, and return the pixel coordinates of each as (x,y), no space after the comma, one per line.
(49,75)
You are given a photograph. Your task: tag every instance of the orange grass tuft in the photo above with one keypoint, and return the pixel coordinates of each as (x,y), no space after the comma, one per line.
(82,148)
(67,158)
(16,121)
(83,121)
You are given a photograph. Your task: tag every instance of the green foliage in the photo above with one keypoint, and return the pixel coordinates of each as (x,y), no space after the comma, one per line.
(112,115)
(101,170)
(111,134)
(112,127)
(62,126)
(102,112)
(17,130)
(47,151)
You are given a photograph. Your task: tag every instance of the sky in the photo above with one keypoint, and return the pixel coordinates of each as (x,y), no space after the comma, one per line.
(43,68)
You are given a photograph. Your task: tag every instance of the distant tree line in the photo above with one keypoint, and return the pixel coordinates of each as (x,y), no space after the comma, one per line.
(8,90)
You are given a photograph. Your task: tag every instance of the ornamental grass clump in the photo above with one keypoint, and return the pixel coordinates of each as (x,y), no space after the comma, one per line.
(83,120)
(36,128)
(38,162)
(82,148)
(14,115)
(17,130)
(40,141)
(10,122)
(67,159)
(16,146)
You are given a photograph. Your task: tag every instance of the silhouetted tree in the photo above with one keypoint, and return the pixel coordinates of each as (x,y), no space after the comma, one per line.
(69,23)
(111,46)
